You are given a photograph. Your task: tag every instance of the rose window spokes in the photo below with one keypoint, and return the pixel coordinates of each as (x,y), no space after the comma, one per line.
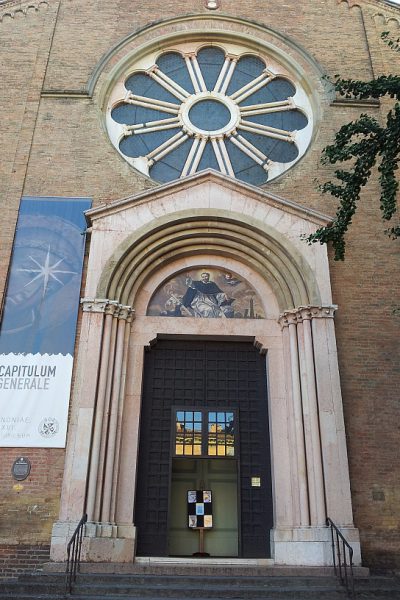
(210,109)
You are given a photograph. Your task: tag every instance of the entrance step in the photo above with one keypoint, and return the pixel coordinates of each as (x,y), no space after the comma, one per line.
(113,586)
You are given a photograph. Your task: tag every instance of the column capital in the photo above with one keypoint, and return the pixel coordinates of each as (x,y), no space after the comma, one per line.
(126,313)
(306,313)
(323,312)
(95,305)
(111,308)
(289,317)
(107,307)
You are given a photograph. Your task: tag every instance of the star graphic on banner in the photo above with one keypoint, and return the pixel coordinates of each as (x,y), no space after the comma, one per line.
(46,271)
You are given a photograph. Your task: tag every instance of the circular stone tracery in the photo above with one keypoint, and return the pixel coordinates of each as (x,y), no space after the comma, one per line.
(209,115)
(208,108)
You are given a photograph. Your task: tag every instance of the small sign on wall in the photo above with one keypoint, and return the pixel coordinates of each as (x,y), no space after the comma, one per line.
(21,468)
(199,509)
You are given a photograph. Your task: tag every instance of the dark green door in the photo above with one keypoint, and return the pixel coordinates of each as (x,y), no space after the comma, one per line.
(219,476)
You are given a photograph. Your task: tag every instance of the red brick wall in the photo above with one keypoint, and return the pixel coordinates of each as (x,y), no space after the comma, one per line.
(28,508)
(21,558)
(55,146)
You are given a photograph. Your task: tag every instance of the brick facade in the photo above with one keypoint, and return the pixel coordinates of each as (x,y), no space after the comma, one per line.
(53,144)
(16,559)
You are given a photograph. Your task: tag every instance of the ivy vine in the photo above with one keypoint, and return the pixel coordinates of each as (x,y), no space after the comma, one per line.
(362,145)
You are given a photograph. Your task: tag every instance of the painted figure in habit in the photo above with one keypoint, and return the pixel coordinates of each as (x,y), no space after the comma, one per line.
(212,293)
(205,299)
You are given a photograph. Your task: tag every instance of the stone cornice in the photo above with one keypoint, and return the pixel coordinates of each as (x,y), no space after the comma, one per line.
(206,176)
(355,102)
(108,307)
(306,313)
(10,8)
(378,3)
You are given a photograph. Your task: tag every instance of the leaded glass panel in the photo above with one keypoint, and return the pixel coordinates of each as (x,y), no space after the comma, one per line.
(204,433)
(207,108)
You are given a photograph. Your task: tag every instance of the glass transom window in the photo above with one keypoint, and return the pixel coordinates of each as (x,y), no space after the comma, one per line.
(204,433)
(209,106)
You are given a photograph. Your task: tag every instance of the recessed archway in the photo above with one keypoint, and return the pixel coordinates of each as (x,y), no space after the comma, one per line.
(256,245)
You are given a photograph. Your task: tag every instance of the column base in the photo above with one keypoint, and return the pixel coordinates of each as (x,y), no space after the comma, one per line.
(101,542)
(310,546)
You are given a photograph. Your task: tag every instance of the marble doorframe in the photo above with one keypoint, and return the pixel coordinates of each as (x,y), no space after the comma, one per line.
(207,220)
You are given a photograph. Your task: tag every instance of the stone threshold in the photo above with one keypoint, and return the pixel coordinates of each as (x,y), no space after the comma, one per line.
(183,560)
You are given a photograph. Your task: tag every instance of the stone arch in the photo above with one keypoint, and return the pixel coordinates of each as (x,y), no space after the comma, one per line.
(182,234)
(106,85)
(215,27)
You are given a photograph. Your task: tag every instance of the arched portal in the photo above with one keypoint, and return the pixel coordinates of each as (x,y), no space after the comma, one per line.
(140,245)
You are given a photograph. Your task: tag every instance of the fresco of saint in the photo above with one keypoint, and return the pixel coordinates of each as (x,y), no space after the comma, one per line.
(207,294)
(205,299)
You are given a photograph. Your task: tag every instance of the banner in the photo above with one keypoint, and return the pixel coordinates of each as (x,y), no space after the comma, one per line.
(38,328)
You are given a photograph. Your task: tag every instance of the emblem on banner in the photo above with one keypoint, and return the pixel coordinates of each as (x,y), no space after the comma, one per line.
(48,427)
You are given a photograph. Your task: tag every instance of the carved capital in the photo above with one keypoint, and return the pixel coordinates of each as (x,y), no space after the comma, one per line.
(107,307)
(323,312)
(126,313)
(111,308)
(94,305)
(306,313)
(289,317)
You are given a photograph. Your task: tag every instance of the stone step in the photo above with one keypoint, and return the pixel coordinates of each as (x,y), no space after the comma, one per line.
(177,587)
(284,594)
(166,586)
(209,590)
(328,595)
(201,567)
(191,580)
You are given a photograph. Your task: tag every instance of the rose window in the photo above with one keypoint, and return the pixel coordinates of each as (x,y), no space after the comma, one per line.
(181,112)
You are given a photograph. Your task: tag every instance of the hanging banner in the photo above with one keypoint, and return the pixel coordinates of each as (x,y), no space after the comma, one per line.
(38,328)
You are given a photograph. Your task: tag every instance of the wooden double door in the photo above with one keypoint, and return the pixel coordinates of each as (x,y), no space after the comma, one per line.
(204,425)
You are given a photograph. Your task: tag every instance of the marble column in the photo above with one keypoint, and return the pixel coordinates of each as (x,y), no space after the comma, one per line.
(319,445)
(311,420)
(331,419)
(91,471)
(103,469)
(299,467)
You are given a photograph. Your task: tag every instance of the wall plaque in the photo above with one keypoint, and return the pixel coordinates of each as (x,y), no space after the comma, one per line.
(21,468)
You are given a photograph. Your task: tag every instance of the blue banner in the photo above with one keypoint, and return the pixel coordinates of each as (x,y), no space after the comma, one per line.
(38,328)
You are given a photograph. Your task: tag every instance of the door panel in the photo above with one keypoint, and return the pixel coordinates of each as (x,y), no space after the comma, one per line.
(219,476)
(184,477)
(203,374)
